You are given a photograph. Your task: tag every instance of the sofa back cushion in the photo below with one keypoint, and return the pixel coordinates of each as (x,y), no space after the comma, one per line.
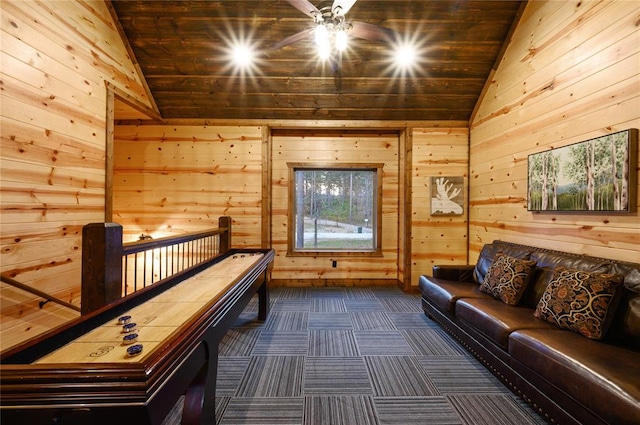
(489,252)
(625,328)
(548,260)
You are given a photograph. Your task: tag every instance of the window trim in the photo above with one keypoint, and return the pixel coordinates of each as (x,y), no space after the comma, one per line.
(333,166)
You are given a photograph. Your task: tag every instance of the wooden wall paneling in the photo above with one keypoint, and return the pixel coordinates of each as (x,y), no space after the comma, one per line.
(172,179)
(437,152)
(55,59)
(574,78)
(89,38)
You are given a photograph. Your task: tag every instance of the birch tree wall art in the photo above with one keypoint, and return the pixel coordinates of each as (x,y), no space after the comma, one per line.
(595,175)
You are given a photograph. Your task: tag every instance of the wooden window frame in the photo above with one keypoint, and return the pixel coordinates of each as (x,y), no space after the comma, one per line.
(292,251)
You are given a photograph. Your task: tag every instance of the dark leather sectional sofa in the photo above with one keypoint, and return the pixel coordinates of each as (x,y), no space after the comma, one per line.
(568,377)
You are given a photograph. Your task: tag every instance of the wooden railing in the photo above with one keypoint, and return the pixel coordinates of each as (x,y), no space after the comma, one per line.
(37,292)
(111,269)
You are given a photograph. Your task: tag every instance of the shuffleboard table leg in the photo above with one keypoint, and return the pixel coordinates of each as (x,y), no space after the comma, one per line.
(263,300)
(200,398)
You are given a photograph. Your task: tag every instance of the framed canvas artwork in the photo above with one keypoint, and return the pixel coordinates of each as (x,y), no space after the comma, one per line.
(447,195)
(595,175)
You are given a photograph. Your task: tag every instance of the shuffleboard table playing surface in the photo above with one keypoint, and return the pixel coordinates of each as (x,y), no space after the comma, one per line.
(157,319)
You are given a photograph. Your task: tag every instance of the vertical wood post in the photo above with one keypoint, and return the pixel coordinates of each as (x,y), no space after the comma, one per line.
(225,238)
(101,265)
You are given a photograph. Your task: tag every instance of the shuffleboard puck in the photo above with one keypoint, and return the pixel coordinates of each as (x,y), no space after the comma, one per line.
(123,320)
(134,350)
(129,327)
(129,338)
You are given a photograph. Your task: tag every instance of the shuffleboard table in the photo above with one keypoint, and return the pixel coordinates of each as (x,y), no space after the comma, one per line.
(129,362)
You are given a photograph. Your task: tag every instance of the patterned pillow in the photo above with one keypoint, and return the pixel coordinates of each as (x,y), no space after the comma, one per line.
(583,302)
(507,278)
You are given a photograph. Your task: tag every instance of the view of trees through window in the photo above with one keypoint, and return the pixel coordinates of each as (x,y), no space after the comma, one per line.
(335,209)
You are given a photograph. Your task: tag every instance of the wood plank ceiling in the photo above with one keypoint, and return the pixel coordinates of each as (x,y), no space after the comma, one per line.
(182,48)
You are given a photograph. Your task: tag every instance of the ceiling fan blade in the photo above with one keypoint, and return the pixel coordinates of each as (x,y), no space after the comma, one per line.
(305,7)
(293,39)
(373,32)
(341,7)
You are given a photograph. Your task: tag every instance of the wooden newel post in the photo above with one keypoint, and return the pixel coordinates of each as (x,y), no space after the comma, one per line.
(101,265)
(225,238)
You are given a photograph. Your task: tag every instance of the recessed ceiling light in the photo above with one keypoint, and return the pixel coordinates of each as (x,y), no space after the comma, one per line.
(405,56)
(242,55)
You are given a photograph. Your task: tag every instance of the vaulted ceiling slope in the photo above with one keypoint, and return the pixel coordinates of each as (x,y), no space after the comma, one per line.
(182,48)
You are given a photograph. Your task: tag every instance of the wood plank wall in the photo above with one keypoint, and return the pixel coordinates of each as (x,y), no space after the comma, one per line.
(437,152)
(309,146)
(570,74)
(172,180)
(56,58)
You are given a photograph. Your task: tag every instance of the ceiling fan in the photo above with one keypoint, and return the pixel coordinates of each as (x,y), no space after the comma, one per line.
(331,30)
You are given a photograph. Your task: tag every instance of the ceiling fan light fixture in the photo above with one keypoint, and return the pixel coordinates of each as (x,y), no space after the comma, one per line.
(324,51)
(341,40)
(321,35)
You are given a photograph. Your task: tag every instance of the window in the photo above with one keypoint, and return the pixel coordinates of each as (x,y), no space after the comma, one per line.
(335,210)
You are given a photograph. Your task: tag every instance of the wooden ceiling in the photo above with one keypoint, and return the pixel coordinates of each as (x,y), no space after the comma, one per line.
(182,49)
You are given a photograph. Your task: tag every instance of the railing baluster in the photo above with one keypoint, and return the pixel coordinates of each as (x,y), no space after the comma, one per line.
(125,274)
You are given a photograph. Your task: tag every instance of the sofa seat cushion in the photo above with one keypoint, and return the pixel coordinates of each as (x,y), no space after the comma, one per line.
(604,377)
(496,320)
(444,293)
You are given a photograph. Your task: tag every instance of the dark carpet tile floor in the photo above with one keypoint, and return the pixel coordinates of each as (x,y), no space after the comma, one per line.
(353,356)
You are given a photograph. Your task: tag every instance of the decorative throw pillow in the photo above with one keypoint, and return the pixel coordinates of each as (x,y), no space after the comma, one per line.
(507,278)
(583,302)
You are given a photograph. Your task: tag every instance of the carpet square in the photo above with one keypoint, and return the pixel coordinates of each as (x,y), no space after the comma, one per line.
(264,411)
(382,343)
(238,342)
(327,292)
(484,409)
(345,410)
(291,305)
(272,376)
(287,321)
(247,319)
(432,342)
(459,375)
(282,343)
(387,291)
(328,305)
(230,373)
(336,375)
(401,304)
(409,320)
(357,293)
(332,342)
(289,292)
(416,410)
(399,376)
(330,321)
(371,321)
(354,305)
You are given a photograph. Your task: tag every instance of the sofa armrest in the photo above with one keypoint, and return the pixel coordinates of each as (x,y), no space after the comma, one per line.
(458,273)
